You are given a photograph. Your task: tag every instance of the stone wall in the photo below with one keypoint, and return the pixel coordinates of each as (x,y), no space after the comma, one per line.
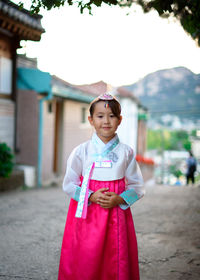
(15,181)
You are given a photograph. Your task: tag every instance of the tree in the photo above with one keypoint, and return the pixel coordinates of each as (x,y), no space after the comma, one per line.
(168,140)
(186,11)
(6,160)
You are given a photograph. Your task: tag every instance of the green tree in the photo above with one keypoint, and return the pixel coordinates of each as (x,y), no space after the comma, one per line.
(186,11)
(168,140)
(175,171)
(6,160)
(194,132)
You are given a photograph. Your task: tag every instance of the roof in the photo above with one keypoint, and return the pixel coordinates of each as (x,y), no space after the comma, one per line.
(71,94)
(34,79)
(20,22)
(61,88)
(101,87)
(95,89)
(64,89)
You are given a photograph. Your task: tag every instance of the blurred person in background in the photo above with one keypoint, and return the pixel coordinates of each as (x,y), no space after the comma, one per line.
(191,168)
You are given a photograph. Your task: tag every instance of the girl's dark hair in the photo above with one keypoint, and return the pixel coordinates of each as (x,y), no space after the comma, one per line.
(113,104)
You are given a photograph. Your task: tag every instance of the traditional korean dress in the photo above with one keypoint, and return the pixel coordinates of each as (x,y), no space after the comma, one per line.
(103,245)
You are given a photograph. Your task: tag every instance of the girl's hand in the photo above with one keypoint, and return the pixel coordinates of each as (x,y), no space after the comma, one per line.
(97,196)
(110,200)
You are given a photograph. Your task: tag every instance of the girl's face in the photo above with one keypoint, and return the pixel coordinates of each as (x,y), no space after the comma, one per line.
(104,122)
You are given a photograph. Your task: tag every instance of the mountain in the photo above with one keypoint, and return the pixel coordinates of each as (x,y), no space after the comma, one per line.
(173,91)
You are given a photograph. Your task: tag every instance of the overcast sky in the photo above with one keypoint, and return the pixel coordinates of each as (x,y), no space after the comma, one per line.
(110,45)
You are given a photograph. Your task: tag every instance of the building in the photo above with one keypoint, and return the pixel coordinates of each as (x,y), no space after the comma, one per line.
(52,120)
(15,25)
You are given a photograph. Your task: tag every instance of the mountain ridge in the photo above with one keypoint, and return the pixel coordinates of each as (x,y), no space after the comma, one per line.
(175,90)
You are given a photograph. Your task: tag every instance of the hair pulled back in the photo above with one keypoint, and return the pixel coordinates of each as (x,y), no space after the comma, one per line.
(113,104)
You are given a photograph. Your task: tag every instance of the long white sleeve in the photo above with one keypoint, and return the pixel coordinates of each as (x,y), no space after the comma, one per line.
(74,170)
(72,179)
(134,182)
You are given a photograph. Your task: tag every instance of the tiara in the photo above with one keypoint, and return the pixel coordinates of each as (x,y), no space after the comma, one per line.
(106,96)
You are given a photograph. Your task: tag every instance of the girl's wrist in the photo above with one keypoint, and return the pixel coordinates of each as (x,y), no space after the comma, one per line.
(90,198)
(120,200)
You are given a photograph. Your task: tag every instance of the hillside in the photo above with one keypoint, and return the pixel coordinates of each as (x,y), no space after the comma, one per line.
(173,91)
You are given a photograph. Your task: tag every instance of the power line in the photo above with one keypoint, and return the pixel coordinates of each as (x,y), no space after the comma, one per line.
(184,111)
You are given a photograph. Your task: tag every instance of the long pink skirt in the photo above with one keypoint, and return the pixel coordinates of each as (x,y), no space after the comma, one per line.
(101,247)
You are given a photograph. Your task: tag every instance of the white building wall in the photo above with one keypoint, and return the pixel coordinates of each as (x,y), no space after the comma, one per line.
(48,144)
(127,131)
(196,147)
(75,132)
(5,75)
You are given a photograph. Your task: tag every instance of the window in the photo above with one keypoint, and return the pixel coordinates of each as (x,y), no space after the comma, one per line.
(83,115)
(50,107)
(5,75)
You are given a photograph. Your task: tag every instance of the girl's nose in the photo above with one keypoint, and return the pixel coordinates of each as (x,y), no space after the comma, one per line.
(106,119)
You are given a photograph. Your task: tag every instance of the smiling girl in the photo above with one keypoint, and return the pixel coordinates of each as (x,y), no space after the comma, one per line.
(103,180)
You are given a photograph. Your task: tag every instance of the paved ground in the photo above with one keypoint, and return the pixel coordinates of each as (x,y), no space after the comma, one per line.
(167,224)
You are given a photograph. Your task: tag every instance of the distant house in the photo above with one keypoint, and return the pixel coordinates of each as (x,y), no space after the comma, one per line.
(52,121)
(15,25)
(71,119)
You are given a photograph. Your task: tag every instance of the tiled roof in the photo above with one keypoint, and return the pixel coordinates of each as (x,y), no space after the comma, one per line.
(94,89)
(66,90)
(13,18)
(60,82)
(99,88)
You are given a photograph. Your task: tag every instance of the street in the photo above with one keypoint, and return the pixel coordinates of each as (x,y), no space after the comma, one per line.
(167,225)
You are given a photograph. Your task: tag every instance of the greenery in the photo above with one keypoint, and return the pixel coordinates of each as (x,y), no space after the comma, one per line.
(197,178)
(186,11)
(6,163)
(175,171)
(168,140)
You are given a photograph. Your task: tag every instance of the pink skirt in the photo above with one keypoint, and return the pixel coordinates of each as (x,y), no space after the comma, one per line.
(101,247)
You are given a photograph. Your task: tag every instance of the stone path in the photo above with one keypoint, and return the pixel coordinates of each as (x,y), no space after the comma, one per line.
(167,222)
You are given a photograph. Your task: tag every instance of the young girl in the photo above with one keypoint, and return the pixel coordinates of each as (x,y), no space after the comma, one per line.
(103,180)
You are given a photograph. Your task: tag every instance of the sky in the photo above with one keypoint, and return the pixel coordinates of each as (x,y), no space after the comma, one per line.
(111,46)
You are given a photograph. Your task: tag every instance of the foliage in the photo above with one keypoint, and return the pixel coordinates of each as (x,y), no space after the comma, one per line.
(186,11)
(194,132)
(6,163)
(168,140)
(175,171)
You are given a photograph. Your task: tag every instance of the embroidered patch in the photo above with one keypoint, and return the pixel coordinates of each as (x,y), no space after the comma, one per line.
(112,156)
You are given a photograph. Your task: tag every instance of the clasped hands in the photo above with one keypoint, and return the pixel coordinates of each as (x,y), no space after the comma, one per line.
(105,198)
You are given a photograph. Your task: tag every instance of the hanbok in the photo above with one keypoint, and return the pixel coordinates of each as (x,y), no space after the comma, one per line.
(103,245)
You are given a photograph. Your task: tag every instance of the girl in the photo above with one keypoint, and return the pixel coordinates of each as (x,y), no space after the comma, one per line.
(103,180)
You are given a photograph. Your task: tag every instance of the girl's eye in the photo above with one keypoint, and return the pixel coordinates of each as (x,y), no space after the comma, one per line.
(99,117)
(112,116)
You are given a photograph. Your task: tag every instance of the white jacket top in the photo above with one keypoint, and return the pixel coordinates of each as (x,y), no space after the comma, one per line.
(123,165)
